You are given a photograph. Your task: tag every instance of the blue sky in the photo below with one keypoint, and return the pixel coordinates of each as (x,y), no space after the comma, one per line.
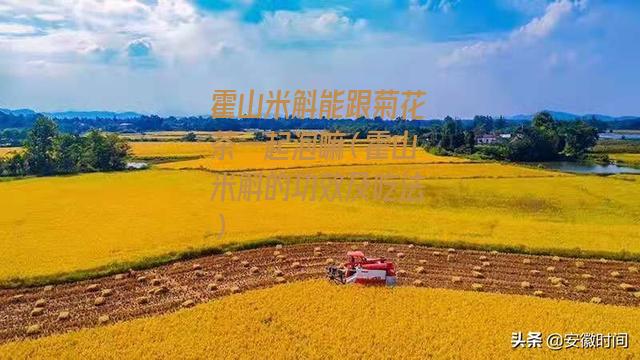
(471,56)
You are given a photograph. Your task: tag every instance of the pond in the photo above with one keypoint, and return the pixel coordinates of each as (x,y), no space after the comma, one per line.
(589,168)
(618,136)
(137,165)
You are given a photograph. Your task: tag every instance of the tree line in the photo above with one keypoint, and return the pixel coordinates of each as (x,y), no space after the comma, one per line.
(544,139)
(47,151)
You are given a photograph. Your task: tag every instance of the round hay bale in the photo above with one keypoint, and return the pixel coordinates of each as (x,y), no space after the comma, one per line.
(477,287)
(142,278)
(199,273)
(401,273)
(551,268)
(47,288)
(33,329)
(451,250)
(477,274)
(228,253)
(103,319)
(628,287)
(212,287)
(555,258)
(534,272)
(119,277)
(400,255)
(494,252)
(422,261)
(603,260)
(354,247)
(156,281)
(93,288)
(295,264)
(196,267)
(235,259)
(329,261)
(580,264)
(281,257)
(391,249)
(633,269)
(218,277)
(106,292)
(526,261)
(317,249)
(276,253)
(420,270)
(616,274)
(278,272)
(161,290)
(451,258)
(254,270)
(525,285)
(437,253)
(235,289)
(482,258)
(100,300)
(581,288)
(411,246)
(477,268)
(279,246)
(586,276)
(280,280)
(188,303)
(456,279)
(486,263)
(365,243)
(37,311)
(40,303)
(63,315)
(637,294)
(418,283)
(16,298)
(143,300)
(595,300)
(538,293)
(244,263)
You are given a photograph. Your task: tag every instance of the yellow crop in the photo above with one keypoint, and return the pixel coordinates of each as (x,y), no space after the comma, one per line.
(177,135)
(250,156)
(5,151)
(318,320)
(631,159)
(170,149)
(58,224)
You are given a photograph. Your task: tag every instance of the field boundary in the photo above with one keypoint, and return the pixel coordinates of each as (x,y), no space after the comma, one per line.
(176,256)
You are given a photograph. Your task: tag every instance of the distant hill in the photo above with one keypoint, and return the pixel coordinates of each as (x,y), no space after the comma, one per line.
(565,116)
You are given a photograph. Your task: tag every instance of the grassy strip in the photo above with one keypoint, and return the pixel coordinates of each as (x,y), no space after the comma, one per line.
(152,160)
(150,262)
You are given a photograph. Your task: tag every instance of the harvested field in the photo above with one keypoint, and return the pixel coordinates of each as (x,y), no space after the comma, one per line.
(171,287)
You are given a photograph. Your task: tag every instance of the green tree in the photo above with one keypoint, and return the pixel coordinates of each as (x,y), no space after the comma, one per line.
(68,153)
(578,138)
(40,146)
(190,136)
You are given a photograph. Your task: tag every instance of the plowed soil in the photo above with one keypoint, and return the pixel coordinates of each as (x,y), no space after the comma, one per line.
(168,288)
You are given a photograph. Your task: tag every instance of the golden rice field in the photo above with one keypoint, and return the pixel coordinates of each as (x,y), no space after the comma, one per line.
(170,149)
(319,320)
(251,156)
(178,135)
(630,159)
(5,151)
(85,221)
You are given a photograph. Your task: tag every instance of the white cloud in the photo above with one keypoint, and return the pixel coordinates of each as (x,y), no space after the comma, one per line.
(16,29)
(309,25)
(537,29)
(432,5)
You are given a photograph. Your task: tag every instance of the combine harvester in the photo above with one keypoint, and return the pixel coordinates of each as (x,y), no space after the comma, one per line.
(360,270)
